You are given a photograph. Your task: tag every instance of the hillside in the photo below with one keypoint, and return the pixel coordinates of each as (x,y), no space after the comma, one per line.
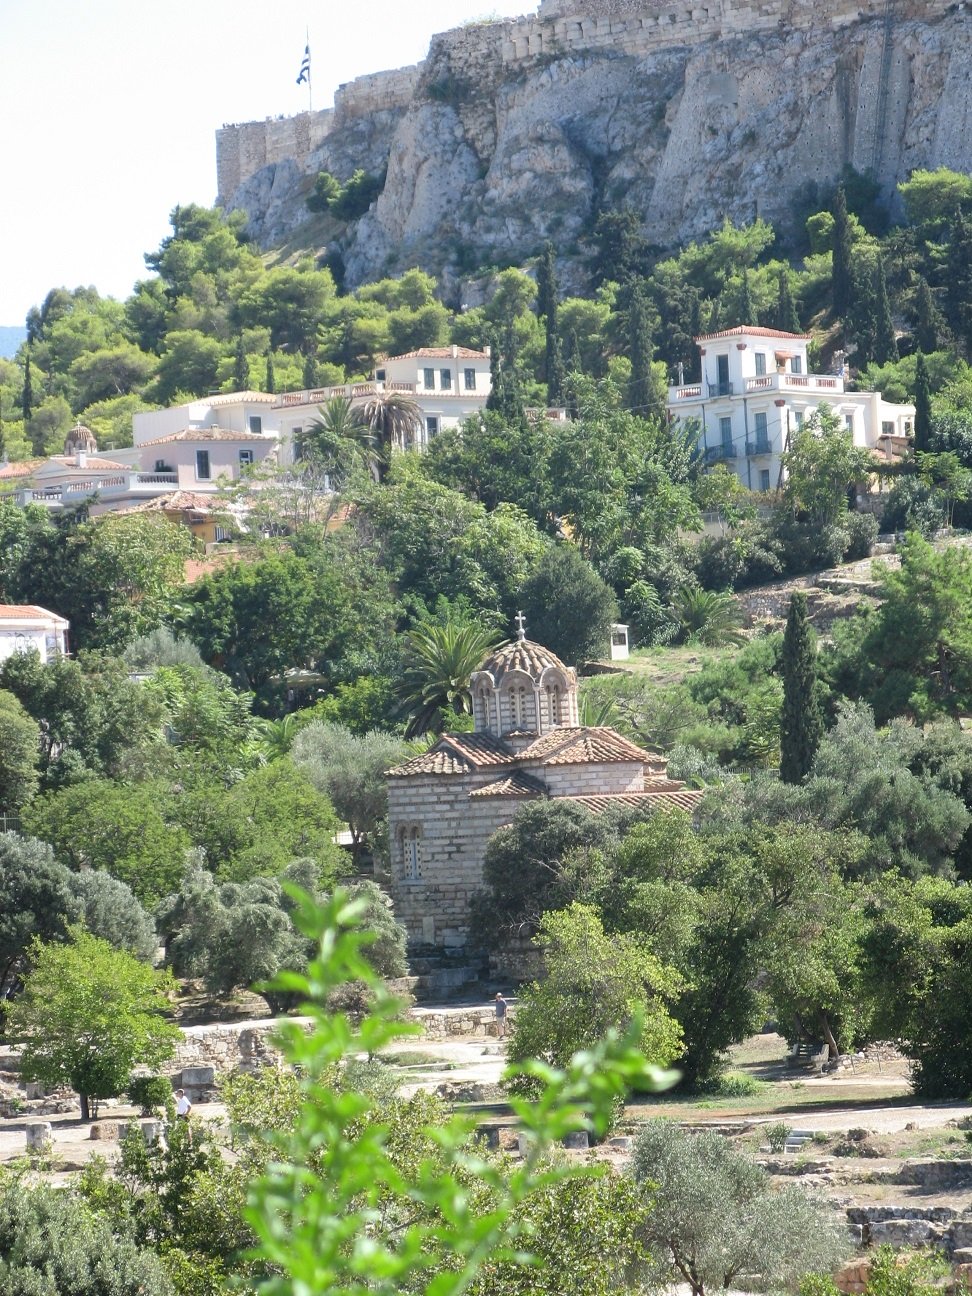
(11,336)
(514,132)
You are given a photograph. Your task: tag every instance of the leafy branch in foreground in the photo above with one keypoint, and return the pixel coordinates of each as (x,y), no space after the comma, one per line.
(337,1211)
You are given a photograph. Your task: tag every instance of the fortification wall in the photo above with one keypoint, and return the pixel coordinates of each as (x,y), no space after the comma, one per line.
(246,147)
(377,92)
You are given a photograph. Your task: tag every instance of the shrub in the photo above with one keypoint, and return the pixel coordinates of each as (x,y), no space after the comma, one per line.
(149,1092)
(776,1136)
(862,531)
(734,1084)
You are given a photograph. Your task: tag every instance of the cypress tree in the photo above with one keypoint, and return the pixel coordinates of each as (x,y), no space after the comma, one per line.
(309,378)
(241,366)
(923,414)
(547,284)
(270,383)
(573,364)
(746,310)
(555,370)
(547,311)
(3,435)
(841,274)
(860,320)
(640,351)
(927,319)
(801,724)
(885,347)
(495,373)
(27,399)
(787,319)
(958,285)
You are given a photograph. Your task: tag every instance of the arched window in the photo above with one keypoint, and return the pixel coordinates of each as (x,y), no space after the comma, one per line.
(483,696)
(554,703)
(410,840)
(518,706)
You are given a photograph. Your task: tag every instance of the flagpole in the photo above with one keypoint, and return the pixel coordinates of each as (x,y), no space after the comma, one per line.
(310,92)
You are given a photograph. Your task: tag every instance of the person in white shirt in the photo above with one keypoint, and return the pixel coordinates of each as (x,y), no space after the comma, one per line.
(183,1108)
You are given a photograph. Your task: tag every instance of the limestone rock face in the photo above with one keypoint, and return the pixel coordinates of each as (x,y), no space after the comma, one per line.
(516,133)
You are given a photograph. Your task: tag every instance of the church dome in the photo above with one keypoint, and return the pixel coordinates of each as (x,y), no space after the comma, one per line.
(523,656)
(80,438)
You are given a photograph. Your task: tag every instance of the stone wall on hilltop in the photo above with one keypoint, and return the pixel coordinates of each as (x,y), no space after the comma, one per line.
(518,131)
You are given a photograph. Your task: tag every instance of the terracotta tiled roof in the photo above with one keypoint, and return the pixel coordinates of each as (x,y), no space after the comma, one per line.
(205,434)
(91,461)
(686,799)
(513,785)
(234,398)
(440,353)
(19,468)
(24,611)
(521,655)
(753,330)
(194,501)
(570,746)
(457,754)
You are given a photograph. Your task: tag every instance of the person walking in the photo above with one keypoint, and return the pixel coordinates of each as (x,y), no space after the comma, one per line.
(183,1107)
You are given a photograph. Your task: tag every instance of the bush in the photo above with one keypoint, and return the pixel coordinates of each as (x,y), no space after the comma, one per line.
(913,505)
(862,531)
(734,1084)
(150,1093)
(776,1136)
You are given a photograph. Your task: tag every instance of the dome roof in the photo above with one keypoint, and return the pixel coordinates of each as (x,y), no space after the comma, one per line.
(522,655)
(80,438)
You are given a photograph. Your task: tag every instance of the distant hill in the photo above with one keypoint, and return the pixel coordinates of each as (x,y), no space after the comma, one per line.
(11,336)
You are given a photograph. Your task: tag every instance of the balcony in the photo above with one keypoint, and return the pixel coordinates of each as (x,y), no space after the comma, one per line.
(133,485)
(783,382)
(758,447)
(719,389)
(715,454)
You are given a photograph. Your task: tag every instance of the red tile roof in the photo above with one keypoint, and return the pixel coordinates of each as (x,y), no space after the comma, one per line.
(521,655)
(753,330)
(19,468)
(457,754)
(440,353)
(27,611)
(577,746)
(686,799)
(513,785)
(90,461)
(180,500)
(205,434)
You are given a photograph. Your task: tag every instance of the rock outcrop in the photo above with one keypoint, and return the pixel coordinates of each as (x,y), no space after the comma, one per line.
(512,133)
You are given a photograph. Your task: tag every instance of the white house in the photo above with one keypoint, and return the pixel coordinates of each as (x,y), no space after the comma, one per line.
(25,626)
(448,384)
(756,391)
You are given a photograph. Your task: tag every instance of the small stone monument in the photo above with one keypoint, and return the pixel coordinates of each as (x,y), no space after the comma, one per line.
(40,1137)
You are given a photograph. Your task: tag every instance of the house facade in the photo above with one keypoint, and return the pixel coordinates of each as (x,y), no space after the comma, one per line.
(527,744)
(448,385)
(26,627)
(756,391)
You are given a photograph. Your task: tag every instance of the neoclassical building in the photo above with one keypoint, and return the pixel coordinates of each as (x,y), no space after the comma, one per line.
(527,743)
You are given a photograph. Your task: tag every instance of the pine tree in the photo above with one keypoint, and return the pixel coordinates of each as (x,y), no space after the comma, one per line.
(746,310)
(923,412)
(801,724)
(958,284)
(270,383)
(927,319)
(27,399)
(241,366)
(787,319)
(640,351)
(885,348)
(841,280)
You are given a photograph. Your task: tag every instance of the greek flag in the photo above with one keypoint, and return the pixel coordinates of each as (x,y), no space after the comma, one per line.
(305,67)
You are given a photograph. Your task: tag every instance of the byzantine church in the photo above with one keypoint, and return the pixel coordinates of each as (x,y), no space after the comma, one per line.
(527,743)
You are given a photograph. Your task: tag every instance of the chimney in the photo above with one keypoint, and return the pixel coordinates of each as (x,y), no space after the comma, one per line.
(455,351)
(81,459)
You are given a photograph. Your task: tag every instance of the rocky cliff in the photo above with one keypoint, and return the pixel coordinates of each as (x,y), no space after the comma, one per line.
(515,132)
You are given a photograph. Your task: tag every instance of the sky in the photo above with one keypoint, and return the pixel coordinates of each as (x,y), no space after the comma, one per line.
(109,108)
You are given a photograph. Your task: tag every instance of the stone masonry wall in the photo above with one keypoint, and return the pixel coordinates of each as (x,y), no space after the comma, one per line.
(476,55)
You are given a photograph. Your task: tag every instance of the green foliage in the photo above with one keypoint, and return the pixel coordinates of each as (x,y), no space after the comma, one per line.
(19,753)
(366,1218)
(568,607)
(88,1013)
(821,463)
(36,901)
(934,197)
(52,1242)
(593,983)
(149,1092)
(441,660)
(709,618)
(801,724)
(776,1136)
(714,1215)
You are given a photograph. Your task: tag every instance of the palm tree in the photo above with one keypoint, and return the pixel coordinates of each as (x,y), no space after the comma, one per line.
(709,618)
(396,421)
(273,738)
(437,683)
(339,440)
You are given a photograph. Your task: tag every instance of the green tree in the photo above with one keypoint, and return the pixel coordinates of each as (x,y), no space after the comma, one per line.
(241,366)
(36,901)
(946,473)
(821,464)
(958,283)
(27,394)
(350,770)
(885,349)
(714,1215)
(709,618)
(88,1013)
(787,319)
(841,276)
(928,319)
(99,824)
(801,724)
(640,352)
(441,660)
(568,607)
(395,421)
(923,406)
(593,983)
(19,755)
(932,197)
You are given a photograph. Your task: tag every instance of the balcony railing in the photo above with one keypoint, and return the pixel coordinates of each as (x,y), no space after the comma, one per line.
(794,382)
(104,487)
(361,391)
(719,389)
(714,454)
(758,447)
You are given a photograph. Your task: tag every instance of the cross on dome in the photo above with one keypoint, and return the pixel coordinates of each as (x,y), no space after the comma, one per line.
(520,626)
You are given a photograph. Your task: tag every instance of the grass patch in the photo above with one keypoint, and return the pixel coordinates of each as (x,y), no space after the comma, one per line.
(413,1057)
(773,1099)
